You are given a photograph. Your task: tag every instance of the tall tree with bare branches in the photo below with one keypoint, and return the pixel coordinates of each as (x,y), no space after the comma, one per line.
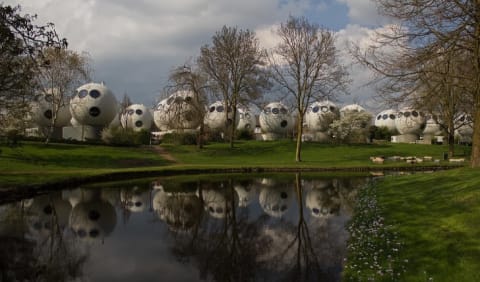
(425,31)
(233,64)
(306,65)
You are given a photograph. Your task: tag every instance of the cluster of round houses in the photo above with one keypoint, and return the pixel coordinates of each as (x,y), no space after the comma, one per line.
(94,107)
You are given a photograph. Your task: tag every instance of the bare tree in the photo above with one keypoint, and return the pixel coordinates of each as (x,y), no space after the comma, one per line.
(189,78)
(306,65)
(234,65)
(62,71)
(427,30)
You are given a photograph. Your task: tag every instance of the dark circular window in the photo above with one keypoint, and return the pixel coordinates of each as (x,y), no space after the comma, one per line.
(138,123)
(212,109)
(138,204)
(379,117)
(93,215)
(49,98)
(392,116)
(283,195)
(315,109)
(332,108)
(406,114)
(462,118)
(48,114)
(139,112)
(316,211)
(275,111)
(94,93)
(94,111)
(283,123)
(267,110)
(415,113)
(83,93)
(188,99)
(48,209)
(283,111)
(385,116)
(220,109)
(81,233)
(94,233)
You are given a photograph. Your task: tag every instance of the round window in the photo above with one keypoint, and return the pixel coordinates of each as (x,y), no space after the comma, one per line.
(94,93)
(315,109)
(94,111)
(212,109)
(283,195)
(83,93)
(392,116)
(138,123)
(188,99)
(220,109)
(283,123)
(275,111)
(415,113)
(139,112)
(379,117)
(332,108)
(385,116)
(48,114)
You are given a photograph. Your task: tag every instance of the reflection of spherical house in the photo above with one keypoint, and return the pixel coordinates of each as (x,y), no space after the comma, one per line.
(275,120)
(320,115)
(464,125)
(93,220)
(135,199)
(137,117)
(323,203)
(246,119)
(410,121)
(386,119)
(275,201)
(218,116)
(246,193)
(181,212)
(42,110)
(218,203)
(46,211)
(93,104)
(177,111)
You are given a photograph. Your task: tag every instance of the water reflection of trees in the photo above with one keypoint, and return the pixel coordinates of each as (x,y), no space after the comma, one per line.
(227,244)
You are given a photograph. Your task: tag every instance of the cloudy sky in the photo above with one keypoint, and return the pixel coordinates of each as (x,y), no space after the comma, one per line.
(134,44)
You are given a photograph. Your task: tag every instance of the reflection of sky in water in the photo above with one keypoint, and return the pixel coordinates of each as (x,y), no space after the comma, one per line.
(142,246)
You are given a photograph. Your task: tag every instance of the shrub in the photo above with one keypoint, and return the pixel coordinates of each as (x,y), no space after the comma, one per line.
(244,134)
(180,138)
(125,137)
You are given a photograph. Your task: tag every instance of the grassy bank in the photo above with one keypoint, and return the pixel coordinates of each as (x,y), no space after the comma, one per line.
(421,227)
(33,163)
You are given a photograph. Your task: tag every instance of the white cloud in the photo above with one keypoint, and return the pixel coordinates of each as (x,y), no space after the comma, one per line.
(363,12)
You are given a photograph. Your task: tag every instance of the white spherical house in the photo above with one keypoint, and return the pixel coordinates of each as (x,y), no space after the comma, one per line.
(218,116)
(386,119)
(275,121)
(92,221)
(351,108)
(320,115)
(94,105)
(42,110)
(410,123)
(275,201)
(246,120)
(177,111)
(137,117)
(323,203)
(464,125)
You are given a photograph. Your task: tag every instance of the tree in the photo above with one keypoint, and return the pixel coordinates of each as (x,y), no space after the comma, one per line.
(306,65)
(189,78)
(233,64)
(427,30)
(351,127)
(21,43)
(60,74)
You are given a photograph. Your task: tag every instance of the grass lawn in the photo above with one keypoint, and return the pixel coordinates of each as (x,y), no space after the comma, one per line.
(429,229)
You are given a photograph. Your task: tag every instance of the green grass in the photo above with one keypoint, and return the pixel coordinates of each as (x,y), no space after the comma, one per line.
(435,218)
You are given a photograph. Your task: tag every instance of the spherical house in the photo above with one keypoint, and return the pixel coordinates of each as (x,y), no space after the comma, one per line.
(386,119)
(218,203)
(275,201)
(353,108)
(137,117)
(44,210)
(323,203)
(464,125)
(246,119)
(320,115)
(94,220)
(218,116)
(177,111)
(135,199)
(275,121)
(42,110)
(409,123)
(93,104)
(246,194)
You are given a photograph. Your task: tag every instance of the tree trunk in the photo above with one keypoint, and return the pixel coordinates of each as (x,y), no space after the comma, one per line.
(475,157)
(451,138)
(200,136)
(298,151)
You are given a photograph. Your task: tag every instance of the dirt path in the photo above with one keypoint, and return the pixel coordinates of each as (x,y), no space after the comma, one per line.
(163,153)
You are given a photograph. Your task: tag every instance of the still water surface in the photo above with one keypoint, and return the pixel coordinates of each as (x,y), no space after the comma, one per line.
(229,228)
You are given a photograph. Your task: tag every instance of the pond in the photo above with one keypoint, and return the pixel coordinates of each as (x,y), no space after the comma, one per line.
(287,227)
